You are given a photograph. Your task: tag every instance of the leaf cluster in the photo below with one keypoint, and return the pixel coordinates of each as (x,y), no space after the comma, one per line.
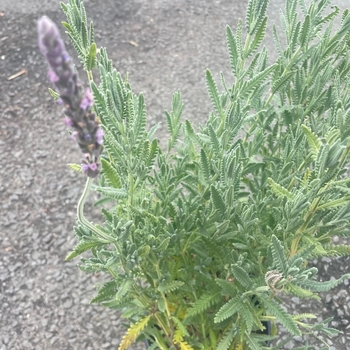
(208,232)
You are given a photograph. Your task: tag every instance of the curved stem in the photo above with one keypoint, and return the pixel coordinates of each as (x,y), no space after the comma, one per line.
(80,214)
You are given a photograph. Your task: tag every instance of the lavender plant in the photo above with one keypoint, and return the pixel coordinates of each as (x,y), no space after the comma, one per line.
(201,239)
(76,101)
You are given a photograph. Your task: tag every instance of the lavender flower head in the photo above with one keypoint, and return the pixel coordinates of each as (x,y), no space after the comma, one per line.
(77,102)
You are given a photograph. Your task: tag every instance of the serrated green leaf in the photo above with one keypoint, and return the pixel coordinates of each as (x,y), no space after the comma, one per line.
(305,31)
(242,276)
(180,326)
(203,303)
(167,287)
(279,190)
(90,60)
(301,292)
(213,93)
(279,83)
(227,287)
(118,304)
(54,94)
(75,167)
(110,174)
(214,140)
(189,129)
(111,192)
(253,341)
(124,288)
(83,246)
(133,332)
(154,149)
(335,203)
(185,346)
(77,46)
(305,315)
(218,201)
(205,166)
(258,38)
(140,120)
(281,315)
(277,41)
(249,18)
(107,292)
(278,255)
(233,49)
(227,310)
(99,100)
(313,141)
(257,81)
(84,35)
(226,339)
(317,286)
(64,7)
(67,26)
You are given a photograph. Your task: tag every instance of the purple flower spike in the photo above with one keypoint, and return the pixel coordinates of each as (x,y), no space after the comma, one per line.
(91,169)
(53,77)
(68,122)
(61,70)
(87,101)
(84,168)
(93,166)
(77,102)
(99,136)
(49,36)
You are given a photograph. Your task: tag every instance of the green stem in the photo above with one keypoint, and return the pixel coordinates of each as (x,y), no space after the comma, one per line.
(163,295)
(81,218)
(89,74)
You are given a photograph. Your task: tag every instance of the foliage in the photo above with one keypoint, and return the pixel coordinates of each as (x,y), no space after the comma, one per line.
(203,237)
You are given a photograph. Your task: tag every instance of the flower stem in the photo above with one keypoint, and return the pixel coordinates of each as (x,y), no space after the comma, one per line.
(81,218)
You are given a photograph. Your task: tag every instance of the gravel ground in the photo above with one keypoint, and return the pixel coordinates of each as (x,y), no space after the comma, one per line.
(44,300)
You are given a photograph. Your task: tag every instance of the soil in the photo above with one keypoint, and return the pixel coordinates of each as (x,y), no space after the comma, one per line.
(165,46)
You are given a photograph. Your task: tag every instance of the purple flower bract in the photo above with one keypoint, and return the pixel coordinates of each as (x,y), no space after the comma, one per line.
(76,101)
